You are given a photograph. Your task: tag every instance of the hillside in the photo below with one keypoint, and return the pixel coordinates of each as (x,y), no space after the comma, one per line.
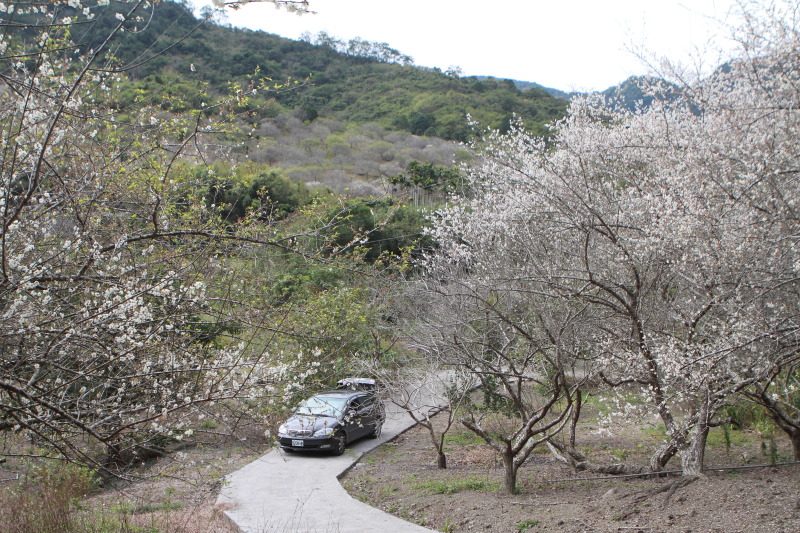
(371,84)
(639,92)
(531,85)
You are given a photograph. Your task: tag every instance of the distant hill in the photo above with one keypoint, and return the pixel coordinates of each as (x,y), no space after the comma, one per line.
(634,92)
(372,84)
(529,85)
(631,94)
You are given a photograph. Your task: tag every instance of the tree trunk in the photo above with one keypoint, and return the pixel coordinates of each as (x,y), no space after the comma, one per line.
(441,459)
(576,414)
(578,461)
(693,455)
(790,425)
(510,478)
(438,443)
(662,456)
(795,437)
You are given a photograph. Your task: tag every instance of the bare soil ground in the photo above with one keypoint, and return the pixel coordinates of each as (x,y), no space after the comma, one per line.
(401,478)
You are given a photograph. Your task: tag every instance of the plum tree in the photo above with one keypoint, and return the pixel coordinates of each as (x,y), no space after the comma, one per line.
(109,258)
(673,227)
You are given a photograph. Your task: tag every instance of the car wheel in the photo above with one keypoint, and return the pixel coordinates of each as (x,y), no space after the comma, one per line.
(377,431)
(341,443)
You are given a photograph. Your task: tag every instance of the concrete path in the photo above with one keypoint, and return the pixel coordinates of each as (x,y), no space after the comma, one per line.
(294,493)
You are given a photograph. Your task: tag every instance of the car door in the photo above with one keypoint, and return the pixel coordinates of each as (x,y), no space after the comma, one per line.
(368,413)
(353,423)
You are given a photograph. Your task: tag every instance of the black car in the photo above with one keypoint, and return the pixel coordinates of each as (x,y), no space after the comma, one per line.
(330,420)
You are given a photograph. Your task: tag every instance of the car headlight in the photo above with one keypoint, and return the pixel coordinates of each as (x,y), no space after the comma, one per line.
(324,432)
(282,429)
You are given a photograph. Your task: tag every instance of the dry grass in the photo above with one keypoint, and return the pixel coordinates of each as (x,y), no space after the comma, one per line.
(62,498)
(176,493)
(45,501)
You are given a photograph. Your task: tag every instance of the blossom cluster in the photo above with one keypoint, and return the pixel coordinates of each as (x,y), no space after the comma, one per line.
(110,320)
(673,228)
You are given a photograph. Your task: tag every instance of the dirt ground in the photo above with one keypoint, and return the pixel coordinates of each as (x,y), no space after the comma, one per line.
(401,478)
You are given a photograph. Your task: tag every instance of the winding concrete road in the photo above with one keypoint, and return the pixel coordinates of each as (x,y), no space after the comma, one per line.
(294,493)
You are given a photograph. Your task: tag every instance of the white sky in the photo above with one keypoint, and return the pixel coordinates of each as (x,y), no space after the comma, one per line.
(566,44)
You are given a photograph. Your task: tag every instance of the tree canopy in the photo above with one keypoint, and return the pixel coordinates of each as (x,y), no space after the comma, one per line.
(669,231)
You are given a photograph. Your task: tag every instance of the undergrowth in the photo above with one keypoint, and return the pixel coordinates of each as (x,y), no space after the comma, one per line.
(452,486)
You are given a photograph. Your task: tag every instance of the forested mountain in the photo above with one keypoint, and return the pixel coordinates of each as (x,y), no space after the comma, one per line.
(531,85)
(372,83)
(639,92)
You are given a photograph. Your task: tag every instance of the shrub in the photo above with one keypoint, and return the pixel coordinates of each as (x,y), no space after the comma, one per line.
(379,228)
(46,501)
(265,194)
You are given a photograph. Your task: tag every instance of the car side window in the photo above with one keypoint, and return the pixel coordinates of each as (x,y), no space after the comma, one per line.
(363,404)
(357,403)
(368,403)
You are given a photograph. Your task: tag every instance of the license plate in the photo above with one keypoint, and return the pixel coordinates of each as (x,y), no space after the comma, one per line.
(297,443)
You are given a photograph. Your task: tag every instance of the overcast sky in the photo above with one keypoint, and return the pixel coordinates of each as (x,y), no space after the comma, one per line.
(565,44)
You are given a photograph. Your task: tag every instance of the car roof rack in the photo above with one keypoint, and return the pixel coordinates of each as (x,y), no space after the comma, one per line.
(367,384)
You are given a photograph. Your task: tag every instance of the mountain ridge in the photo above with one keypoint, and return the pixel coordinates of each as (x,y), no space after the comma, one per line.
(405,97)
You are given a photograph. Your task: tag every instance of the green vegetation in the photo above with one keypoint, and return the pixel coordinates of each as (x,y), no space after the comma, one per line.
(525,525)
(377,228)
(727,437)
(387,490)
(429,176)
(150,507)
(236,192)
(657,432)
(744,414)
(47,501)
(209,423)
(452,486)
(368,83)
(462,438)
(620,454)
(448,526)
(317,294)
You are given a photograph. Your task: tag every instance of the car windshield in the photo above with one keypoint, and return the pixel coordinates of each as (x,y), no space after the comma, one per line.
(322,406)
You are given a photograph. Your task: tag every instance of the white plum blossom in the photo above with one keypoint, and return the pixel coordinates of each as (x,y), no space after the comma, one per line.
(674,227)
(108,317)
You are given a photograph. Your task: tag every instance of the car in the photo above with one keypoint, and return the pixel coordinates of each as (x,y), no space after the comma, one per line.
(329,421)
